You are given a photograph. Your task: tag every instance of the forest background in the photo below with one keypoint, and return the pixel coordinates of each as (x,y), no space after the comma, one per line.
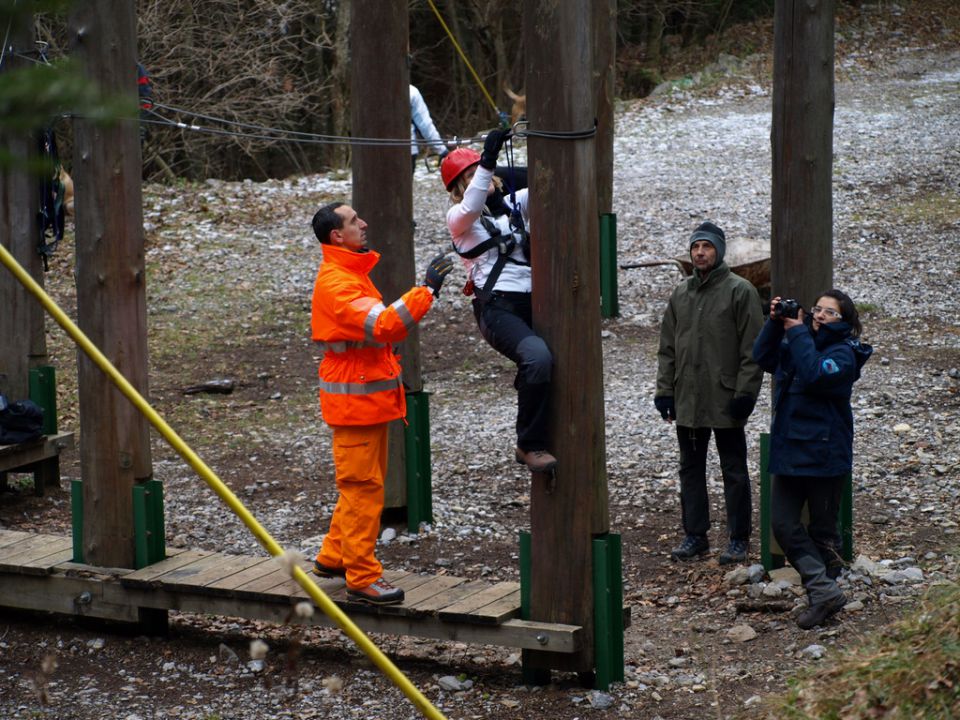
(285,65)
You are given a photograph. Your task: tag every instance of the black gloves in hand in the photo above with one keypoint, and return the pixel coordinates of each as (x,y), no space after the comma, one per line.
(739,408)
(491,148)
(665,406)
(437,270)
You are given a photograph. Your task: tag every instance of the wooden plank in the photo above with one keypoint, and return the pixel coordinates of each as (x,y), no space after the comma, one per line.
(46,564)
(150,575)
(18,456)
(450,596)
(434,584)
(524,634)
(466,610)
(9,537)
(227,584)
(25,541)
(59,593)
(262,584)
(185,576)
(496,613)
(224,566)
(31,549)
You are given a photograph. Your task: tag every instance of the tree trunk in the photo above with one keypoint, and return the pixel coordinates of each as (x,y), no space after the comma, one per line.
(801,244)
(566,514)
(22,338)
(382,181)
(111,297)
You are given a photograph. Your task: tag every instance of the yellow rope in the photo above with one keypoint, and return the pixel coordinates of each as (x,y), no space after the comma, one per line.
(456,45)
(329,608)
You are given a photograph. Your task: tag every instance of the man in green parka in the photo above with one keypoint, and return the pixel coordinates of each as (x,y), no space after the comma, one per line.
(708,382)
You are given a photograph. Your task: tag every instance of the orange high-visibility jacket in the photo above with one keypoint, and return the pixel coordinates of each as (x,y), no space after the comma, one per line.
(360,374)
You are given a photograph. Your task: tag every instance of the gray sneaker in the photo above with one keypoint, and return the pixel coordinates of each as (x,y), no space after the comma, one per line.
(691,547)
(736,552)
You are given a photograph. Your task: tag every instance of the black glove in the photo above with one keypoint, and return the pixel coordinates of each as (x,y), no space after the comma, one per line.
(442,155)
(491,148)
(665,406)
(437,270)
(739,408)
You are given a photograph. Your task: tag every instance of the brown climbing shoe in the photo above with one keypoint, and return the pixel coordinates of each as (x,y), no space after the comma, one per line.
(537,460)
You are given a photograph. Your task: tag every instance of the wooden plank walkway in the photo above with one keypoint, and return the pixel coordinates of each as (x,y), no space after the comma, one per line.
(36,573)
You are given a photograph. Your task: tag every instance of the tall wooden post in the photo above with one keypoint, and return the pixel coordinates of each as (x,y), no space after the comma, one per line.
(801,245)
(22,339)
(568,512)
(111,298)
(604,51)
(382,181)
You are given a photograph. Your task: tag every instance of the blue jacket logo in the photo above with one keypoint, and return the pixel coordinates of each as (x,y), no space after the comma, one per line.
(829,366)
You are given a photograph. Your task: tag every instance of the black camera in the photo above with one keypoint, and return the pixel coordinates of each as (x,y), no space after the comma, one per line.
(787,309)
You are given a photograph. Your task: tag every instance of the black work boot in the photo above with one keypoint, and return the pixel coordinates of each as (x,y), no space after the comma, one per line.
(736,552)
(691,547)
(817,614)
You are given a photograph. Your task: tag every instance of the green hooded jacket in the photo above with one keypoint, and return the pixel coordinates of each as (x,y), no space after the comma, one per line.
(706,347)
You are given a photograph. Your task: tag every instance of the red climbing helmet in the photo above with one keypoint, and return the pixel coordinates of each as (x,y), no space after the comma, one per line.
(456,163)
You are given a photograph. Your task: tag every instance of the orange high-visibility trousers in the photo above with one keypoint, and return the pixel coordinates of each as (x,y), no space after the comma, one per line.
(360,458)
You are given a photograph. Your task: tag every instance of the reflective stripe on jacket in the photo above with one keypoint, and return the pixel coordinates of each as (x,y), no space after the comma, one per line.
(360,381)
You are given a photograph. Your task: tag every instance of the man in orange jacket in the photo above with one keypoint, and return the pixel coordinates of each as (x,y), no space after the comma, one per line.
(360,390)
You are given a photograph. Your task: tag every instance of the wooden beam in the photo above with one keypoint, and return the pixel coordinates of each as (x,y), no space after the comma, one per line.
(22,337)
(801,243)
(567,512)
(382,181)
(111,284)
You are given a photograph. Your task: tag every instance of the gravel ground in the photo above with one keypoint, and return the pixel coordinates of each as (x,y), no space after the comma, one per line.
(699,152)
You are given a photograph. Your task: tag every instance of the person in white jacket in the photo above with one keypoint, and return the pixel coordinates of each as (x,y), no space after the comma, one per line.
(489,233)
(421,123)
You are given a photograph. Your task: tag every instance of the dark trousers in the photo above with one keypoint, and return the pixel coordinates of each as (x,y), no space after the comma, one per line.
(694,503)
(505,321)
(810,549)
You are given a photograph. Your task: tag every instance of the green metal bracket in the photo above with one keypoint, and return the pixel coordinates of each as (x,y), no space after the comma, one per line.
(148,525)
(416,436)
(525,550)
(770,553)
(609,301)
(76,519)
(608,609)
(43,391)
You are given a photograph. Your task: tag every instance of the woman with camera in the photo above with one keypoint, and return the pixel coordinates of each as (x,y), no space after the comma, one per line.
(815,360)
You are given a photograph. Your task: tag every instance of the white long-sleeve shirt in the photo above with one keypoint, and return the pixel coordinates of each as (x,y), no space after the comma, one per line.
(467,231)
(420,121)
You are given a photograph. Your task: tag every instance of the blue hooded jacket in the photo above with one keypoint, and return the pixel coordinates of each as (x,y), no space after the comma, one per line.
(812,431)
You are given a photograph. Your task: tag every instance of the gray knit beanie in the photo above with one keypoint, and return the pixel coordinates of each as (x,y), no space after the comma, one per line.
(713,235)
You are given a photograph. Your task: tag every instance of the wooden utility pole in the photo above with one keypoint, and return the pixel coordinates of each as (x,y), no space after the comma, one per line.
(604,51)
(568,512)
(22,339)
(382,181)
(111,296)
(801,243)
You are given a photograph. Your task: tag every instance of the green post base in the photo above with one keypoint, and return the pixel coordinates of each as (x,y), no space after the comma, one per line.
(76,519)
(148,525)
(608,610)
(771,555)
(609,300)
(43,391)
(416,436)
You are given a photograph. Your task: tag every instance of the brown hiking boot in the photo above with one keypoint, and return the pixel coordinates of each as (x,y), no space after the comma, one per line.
(325,571)
(537,460)
(379,592)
